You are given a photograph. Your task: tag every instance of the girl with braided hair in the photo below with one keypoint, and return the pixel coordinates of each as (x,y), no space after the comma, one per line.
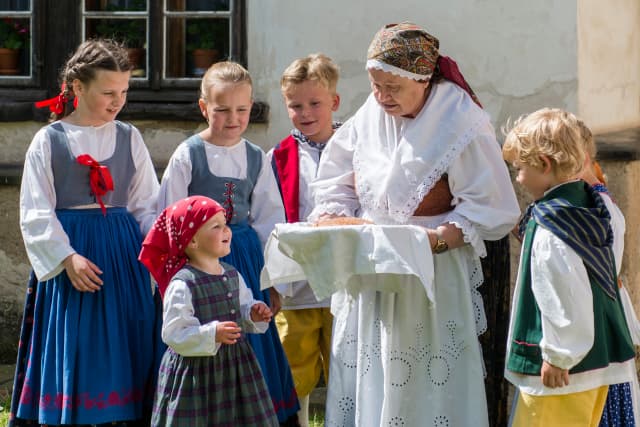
(86,352)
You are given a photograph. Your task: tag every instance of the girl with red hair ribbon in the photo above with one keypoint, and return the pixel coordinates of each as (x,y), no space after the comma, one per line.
(87,352)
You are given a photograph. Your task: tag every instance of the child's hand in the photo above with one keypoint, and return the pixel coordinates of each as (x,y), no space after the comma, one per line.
(276,301)
(82,273)
(261,313)
(553,376)
(227,332)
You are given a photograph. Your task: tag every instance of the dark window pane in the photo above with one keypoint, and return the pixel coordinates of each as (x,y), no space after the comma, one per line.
(198,5)
(115,5)
(15,5)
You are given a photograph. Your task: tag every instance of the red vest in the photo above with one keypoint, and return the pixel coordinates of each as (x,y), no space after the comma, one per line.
(287,171)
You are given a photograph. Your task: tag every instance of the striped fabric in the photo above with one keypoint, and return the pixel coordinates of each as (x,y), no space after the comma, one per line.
(587,230)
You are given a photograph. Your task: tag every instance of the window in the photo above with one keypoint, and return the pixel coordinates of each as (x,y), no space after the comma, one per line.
(167,40)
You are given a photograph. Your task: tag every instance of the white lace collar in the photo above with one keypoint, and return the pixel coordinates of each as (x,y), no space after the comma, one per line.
(398,160)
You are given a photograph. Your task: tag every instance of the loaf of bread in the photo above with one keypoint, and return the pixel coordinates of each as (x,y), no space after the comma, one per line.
(342,220)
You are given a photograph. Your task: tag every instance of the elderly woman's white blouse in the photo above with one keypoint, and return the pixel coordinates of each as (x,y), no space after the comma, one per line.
(266,204)
(384,166)
(46,242)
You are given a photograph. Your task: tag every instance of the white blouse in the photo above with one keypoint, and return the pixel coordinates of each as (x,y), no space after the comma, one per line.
(381,167)
(266,205)
(46,243)
(184,333)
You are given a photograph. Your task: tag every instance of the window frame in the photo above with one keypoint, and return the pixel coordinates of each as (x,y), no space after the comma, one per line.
(54,29)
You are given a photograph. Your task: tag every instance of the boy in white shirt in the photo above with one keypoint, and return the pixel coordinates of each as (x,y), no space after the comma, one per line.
(309,91)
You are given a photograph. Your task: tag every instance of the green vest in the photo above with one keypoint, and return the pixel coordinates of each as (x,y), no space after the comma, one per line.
(612,341)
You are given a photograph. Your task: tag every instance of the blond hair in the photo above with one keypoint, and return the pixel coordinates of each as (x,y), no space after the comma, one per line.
(223,72)
(315,67)
(549,132)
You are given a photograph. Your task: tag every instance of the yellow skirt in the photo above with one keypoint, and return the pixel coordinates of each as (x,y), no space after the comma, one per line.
(582,409)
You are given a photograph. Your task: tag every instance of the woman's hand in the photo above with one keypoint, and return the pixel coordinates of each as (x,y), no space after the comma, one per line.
(276,301)
(82,273)
(261,313)
(227,332)
(553,377)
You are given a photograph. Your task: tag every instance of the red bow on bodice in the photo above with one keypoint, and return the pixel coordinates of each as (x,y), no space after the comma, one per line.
(100,179)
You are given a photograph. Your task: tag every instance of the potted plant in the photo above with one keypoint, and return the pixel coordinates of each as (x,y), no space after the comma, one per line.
(130,32)
(206,39)
(13,36)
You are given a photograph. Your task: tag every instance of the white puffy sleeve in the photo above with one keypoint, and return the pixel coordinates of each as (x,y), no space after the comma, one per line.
(143,191)
(45,241)
(485,204)
(176,178)
(246,302)
(181,330)
(266,204)
(334,186)
(562,290)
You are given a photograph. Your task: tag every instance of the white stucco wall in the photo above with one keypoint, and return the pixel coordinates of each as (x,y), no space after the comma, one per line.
(518,55)
(609,63)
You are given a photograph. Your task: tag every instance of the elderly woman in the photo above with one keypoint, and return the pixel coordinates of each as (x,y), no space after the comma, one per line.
(419,151)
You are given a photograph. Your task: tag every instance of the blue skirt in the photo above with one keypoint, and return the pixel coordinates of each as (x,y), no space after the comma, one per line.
(247,257)
(90,358)
(618,410)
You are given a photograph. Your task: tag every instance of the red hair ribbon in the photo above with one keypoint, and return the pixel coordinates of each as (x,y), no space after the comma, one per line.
(57,103)
(100,179)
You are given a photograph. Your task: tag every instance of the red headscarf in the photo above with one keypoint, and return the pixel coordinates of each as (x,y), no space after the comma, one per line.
(163,248)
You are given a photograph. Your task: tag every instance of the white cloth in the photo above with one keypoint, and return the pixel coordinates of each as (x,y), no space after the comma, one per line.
(184,333)
(46,242)
(299,295)
(396,358)
(618,226)
(266,206)
(562,290)
(352,258)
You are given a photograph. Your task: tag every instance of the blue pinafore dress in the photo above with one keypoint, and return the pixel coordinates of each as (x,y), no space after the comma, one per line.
(224,390)
(88,358)
(247,256)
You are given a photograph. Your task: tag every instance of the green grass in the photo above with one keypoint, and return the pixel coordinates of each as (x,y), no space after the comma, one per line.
(5,403)
(316,417)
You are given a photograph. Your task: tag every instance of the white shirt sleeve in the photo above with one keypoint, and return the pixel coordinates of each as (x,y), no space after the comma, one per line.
(485,204)
(45,241)
(176,178)
(562,290)
(181,330)
(143,190)
(246,302)
(266,204)
(334,187)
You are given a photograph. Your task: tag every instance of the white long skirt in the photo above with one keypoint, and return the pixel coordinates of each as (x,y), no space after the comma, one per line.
(400,360)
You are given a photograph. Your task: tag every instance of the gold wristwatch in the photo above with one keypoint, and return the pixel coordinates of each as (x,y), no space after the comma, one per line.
(441,245)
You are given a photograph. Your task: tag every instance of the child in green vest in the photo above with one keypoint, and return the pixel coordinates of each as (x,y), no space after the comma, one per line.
(568,336)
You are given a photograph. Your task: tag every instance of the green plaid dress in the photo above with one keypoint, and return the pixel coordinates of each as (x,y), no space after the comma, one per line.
(227,389)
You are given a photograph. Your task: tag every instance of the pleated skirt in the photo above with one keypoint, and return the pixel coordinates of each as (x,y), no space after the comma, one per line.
(90,358)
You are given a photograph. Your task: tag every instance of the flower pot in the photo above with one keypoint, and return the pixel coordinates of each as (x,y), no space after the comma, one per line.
(136,58)
(9,61)
(202,60)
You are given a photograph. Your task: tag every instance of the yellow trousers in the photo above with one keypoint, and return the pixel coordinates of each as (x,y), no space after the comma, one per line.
(306,338)
(582,409)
